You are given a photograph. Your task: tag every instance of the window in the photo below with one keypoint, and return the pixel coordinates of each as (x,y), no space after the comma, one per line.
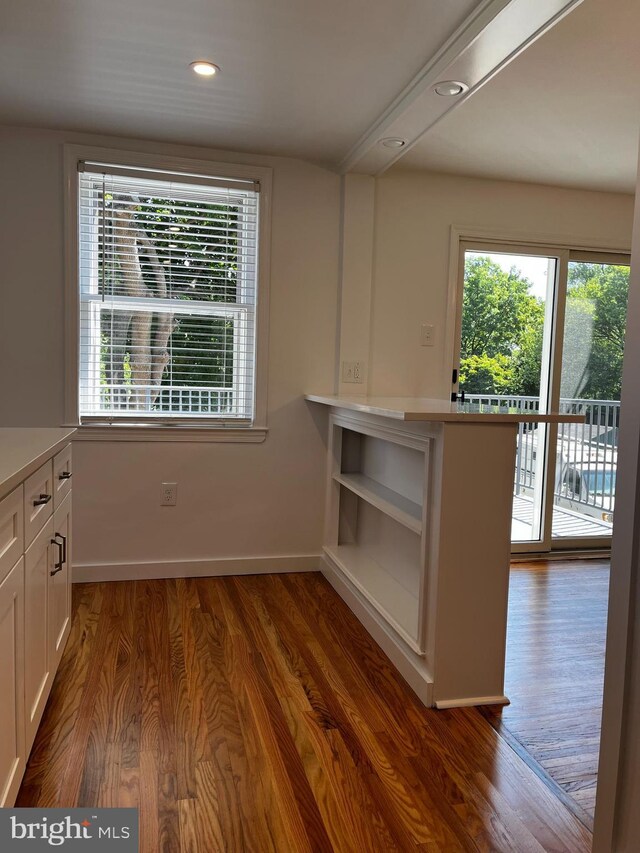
(167,296)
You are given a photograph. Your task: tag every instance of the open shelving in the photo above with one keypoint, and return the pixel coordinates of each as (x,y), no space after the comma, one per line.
(417,542)
(402,509)
(378,487)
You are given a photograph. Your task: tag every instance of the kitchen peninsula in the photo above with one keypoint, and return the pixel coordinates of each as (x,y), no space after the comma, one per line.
(418,531)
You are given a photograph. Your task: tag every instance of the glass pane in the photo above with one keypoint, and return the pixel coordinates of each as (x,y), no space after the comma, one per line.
(163,363)
(594,332)
(167,297)
(149,238)
(505,326)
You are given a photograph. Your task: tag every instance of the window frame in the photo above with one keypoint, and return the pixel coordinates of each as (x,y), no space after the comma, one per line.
(178,429)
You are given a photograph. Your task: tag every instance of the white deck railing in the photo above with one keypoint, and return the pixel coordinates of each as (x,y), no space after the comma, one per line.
(587,453)
(171,399)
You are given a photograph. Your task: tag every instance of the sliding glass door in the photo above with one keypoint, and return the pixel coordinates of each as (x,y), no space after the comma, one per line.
(541,329)
(590,378)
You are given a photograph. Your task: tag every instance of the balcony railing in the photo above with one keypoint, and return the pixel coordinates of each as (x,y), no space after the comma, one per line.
(170,399)
(587,454)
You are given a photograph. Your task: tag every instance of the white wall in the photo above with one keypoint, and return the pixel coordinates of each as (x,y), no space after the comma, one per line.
(233,500)
(414,212)
(617,819)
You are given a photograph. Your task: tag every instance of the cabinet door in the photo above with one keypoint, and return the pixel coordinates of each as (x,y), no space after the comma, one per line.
(12,732)
(59,597)
(37,676)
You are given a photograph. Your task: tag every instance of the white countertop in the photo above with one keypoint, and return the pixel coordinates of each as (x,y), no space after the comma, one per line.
(426,409)
(23,450)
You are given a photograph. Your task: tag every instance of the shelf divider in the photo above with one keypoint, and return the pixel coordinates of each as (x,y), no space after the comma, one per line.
(401,509)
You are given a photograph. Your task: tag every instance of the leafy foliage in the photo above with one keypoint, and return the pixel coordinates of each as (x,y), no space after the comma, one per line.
(501,330)
(595,326)
(503,326)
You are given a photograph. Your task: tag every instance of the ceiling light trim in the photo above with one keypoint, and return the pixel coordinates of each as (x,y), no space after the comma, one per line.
(204,68)
(450,88)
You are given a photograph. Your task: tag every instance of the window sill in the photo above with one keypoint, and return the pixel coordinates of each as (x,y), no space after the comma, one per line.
(190,433)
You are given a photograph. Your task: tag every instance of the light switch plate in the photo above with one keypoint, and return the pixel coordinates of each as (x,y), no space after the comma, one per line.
(427,335)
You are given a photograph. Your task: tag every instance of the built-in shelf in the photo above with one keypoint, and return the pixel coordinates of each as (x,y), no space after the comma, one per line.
(398,605)
(401,509)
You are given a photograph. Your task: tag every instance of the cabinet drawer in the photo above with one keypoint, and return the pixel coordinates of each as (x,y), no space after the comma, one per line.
(38,501)
(11,531)
(62,473)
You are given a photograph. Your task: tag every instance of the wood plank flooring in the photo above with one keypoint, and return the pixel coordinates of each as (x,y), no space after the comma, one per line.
(555,671)
(256,714)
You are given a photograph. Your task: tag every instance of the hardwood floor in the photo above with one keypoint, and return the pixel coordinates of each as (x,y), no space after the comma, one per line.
(256,714)
(555,671)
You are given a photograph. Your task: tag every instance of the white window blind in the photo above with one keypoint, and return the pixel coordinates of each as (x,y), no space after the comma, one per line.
(168,279)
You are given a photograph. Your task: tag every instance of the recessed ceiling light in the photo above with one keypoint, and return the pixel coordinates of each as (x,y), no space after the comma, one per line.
(450,88)
(392,142)
(204,68)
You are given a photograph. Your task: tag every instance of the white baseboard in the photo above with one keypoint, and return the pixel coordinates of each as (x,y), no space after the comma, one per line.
(471,701)
(213,567)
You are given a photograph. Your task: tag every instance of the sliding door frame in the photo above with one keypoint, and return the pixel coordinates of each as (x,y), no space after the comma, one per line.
(564,251)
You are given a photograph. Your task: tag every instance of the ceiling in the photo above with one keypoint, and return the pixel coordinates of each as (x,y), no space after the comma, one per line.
(565,112)
(322,79)
(304,79)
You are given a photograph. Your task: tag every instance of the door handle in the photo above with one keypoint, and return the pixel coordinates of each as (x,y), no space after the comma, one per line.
(64,475)
(43,499)
(57,567)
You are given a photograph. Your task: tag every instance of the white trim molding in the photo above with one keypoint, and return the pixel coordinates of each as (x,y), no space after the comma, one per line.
(144,432)
(442,704)
(490,37)
(212,567)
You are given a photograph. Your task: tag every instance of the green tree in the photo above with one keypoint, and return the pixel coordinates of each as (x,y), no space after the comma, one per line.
(172,248)
(595,327)
(484,374)
(502,324)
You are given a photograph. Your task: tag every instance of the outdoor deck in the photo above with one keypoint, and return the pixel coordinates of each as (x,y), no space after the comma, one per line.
(566,522)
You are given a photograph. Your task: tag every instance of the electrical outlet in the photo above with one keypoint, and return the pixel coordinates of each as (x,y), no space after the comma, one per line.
(353,371)
(169,494)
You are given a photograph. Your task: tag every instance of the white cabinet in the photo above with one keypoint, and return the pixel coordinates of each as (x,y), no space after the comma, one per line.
(12,741)
(35,587)
(59,593)
(38,563)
